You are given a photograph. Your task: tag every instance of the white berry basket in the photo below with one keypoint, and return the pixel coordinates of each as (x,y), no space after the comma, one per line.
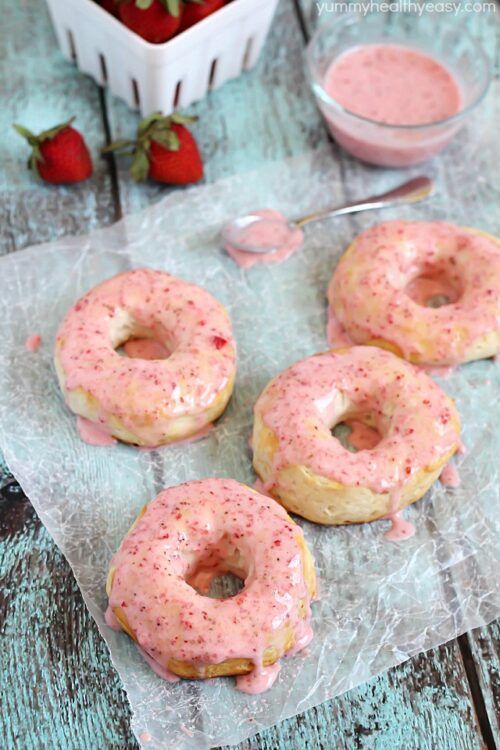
(168,76)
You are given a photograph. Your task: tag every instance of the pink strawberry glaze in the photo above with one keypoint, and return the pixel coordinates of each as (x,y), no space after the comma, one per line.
(260,487)
(362,436)
(441,371)
(145,349)
(157,668)
(258,681)
(416,420)
(162,672)
(393,84)
(425,288)
(389,94)
(290,241)
(335,334)
(147,396)
(212,523)
(185,441)
(449,476)
(33,342)
(370,291)
(111,620)
(400,528)
(93,433)
(145,737)
(337,338)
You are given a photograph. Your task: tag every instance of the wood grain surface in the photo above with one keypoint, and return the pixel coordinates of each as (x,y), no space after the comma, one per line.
(58,687)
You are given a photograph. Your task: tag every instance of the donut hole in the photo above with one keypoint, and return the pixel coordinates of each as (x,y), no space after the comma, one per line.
(357,432)
(434,288)
(224,586)
(143,348)
(136,341)
(219,572)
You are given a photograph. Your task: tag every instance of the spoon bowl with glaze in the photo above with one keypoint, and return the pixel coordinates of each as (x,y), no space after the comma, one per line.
(260,234)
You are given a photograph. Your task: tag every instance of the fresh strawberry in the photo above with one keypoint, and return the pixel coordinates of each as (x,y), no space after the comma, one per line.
(59,155)
(154,20)
(178,166)
(164,150)
(197,10)
(109,5)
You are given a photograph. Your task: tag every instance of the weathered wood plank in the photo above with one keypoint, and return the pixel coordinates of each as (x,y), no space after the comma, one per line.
(446,687)
(485,649)
(484,645)
(40,89)
(59,689)
(420,704)
(53,660)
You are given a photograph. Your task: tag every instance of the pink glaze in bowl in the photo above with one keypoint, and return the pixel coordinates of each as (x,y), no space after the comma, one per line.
(397,145)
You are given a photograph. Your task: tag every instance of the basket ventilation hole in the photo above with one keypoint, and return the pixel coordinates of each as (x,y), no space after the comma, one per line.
(248,52)
(136,94)
(213,73)
(72,45)
(104,69)
(177,94)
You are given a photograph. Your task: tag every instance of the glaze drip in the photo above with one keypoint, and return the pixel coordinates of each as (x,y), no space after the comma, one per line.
(93,433)
(400,528)
(191,530)
(449,476)
(33,342)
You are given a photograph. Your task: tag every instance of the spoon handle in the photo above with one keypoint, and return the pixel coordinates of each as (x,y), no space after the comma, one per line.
(410,192)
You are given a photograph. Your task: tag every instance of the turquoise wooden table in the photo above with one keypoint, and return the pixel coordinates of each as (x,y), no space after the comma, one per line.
(58,688)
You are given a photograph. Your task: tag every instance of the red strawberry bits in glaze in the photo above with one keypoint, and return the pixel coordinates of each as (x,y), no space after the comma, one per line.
(162,392)
(429,291)
(414,429)
(187,536)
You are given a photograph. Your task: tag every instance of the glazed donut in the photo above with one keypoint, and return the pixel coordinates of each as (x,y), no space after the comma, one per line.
(183,539)
(307,469)
(148,402)
(380,288)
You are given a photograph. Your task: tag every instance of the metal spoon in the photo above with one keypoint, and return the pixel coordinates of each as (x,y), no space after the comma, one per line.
(233,234)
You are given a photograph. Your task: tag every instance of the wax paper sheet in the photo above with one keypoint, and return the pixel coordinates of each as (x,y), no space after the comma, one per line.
(379,602)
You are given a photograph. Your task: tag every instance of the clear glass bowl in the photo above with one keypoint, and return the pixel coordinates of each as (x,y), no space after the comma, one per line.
(389,145)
